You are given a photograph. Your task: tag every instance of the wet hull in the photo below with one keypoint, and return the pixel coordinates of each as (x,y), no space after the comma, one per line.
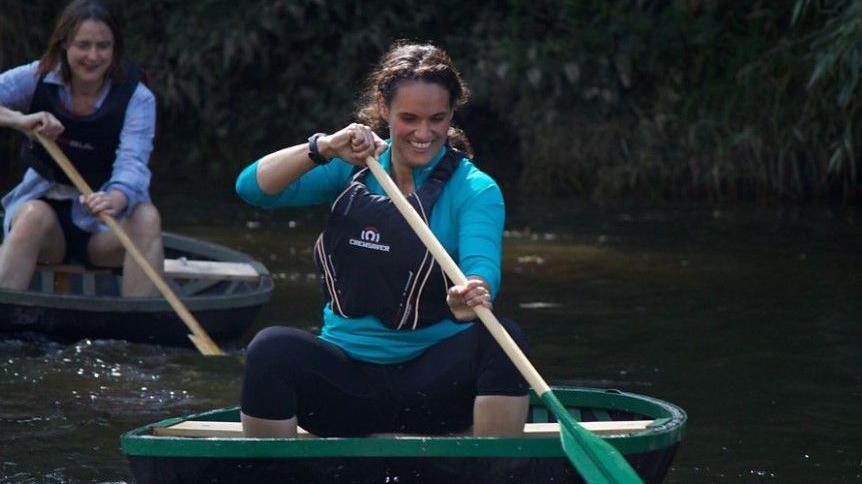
(154,457)
(89,304)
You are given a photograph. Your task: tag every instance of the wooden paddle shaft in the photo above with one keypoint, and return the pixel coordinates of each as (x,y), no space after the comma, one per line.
(199,337)
(454,272)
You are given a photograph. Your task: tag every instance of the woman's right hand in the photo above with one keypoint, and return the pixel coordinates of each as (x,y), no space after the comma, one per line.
(42,122)
(462,299)
(352,144)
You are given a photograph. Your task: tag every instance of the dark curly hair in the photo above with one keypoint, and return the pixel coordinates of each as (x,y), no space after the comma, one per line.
(407,61)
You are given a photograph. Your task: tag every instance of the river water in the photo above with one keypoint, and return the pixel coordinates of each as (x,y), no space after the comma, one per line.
(747,318)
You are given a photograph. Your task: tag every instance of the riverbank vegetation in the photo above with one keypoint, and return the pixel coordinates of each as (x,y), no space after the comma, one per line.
(644,99)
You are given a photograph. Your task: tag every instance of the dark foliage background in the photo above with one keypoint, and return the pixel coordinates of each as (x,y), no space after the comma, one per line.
(644,99)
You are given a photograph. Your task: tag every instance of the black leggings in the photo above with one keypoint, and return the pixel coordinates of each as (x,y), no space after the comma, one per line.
(290,372)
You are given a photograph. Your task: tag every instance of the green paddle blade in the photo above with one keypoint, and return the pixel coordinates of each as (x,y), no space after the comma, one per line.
(596,460)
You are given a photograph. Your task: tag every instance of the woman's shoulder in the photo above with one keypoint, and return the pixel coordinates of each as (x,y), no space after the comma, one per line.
(23,73)
(28,68)
(470,174)
(132,72)
(470,185)
(142,94)
(17,85)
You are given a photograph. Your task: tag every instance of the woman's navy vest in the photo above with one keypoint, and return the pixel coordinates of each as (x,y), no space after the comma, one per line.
(89,141)
(372,263)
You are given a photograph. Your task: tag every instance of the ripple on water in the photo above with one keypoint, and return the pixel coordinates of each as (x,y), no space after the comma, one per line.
(57,397)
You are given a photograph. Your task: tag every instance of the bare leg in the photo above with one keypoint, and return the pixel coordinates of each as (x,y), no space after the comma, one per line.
(144,227)
(35,236)
(499,416)
(263,428)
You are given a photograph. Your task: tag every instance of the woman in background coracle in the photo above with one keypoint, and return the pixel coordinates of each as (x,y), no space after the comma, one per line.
(398,351)
(85,96)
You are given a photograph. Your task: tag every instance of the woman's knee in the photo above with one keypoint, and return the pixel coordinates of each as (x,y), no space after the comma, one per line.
(275,345)
(497,373)
(34,221)
(146,221)
(515,331)
(268,389)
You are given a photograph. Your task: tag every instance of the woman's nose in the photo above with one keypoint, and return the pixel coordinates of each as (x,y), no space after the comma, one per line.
(424,131)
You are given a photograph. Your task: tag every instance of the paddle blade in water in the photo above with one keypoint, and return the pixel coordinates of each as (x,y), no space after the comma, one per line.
(596,460)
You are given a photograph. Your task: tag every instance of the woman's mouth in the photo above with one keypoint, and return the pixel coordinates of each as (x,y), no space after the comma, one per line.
(420,146)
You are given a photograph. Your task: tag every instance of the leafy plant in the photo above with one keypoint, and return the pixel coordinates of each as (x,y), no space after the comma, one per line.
(654,99)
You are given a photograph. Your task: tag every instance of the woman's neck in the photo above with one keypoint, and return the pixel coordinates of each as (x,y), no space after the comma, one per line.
(403,177)
(84,98)
(86,89)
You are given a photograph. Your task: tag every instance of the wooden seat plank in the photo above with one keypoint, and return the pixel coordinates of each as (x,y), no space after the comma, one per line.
(193,428)
(205,269)
(179,269)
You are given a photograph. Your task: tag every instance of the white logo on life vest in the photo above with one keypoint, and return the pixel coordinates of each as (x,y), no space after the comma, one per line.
(370,238)
(370,235)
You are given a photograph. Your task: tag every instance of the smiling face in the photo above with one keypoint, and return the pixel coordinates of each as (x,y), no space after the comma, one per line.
(419,117)
(90,53)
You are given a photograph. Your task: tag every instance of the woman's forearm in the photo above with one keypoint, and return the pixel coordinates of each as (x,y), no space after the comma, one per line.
(43,122)
(277,170)
(10,118)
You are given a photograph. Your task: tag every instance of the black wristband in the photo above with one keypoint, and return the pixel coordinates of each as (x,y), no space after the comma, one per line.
(313,153)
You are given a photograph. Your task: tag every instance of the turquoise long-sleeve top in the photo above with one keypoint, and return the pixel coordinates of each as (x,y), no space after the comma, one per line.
(468,220)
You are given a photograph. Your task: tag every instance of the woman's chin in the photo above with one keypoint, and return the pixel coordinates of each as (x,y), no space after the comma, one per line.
(416,157)
(89,76)
(421,157)
(419,161)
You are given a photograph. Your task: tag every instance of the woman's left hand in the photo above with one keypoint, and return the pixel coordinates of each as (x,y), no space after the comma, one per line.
(463,298)
(103,202)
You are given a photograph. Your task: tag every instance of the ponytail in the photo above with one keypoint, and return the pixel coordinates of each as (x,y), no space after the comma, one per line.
(458,140)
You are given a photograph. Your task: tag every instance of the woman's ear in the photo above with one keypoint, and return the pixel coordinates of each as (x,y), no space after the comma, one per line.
(382,108)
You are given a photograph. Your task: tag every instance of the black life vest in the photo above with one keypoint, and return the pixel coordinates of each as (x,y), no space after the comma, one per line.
(90,142)
(372,263)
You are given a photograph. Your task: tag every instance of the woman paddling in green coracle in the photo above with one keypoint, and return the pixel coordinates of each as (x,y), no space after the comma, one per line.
(398,351)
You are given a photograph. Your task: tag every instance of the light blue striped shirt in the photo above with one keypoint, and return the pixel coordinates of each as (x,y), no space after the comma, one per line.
(130,174)
(467,218)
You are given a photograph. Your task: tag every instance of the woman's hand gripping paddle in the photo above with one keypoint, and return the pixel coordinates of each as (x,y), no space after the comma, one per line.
(596,460)
(199,337)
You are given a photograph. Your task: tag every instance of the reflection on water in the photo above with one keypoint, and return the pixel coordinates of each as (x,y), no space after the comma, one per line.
(62,407)
(747,319)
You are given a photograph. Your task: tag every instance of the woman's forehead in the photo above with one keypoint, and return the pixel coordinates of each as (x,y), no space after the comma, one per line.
(92,29)
(421,95)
